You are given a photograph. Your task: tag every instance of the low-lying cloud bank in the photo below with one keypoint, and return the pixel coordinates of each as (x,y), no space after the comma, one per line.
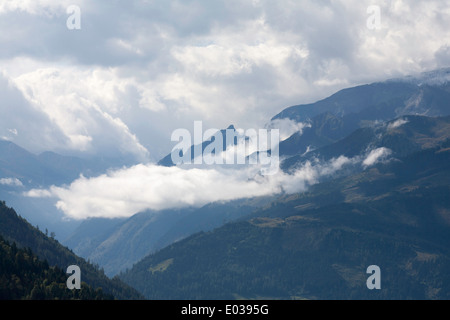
(127,191)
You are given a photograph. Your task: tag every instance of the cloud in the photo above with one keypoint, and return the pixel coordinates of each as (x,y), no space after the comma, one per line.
(13,182)
(139,69)
(397,123)
(83,106)
(124,192)
(311,172)
(375,156)
(128,191)
(287,127)
(34,7)
(38,193)
(24,124)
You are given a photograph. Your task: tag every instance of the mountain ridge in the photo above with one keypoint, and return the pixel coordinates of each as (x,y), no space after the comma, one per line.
(16,229)
(295,249)
(328,128)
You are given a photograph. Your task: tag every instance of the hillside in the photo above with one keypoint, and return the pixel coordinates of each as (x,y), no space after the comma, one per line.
(385,100)
(15,229)
(352,122)
(118,244)
(402,136)
(24,277)
(190,153)
(335,117)
(318,245)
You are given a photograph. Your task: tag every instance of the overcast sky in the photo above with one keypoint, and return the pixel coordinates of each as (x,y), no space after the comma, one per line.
(137,70)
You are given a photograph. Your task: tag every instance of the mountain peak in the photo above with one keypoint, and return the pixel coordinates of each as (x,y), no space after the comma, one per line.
(435,77)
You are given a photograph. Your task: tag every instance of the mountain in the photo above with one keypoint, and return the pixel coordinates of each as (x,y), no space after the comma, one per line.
(389,99)
(230,131)
(402,136)
(118,244)
(25,277)
(45,169)
(351,122)
(21,170)
(333,118)
(17,230)
(319,244)
(406,118)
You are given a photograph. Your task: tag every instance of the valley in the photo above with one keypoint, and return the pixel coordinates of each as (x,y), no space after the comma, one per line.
(379,196)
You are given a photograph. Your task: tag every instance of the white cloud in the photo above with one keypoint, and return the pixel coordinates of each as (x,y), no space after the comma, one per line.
(24,124)
(35,7)
(13,182)
(124,192)
(310,173)
(376,155)
(128,191)
(287,127)
(397,123)
(84,105)
(38,193)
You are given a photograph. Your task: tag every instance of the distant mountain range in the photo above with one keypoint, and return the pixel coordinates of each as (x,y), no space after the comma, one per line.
(402,136)
(117,244)
(21,170)
(48,168)
(421,95)
(388,206)
(350,123)
(318,245)
(337,116)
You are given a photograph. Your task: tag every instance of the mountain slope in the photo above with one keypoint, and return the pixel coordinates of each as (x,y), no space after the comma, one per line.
(401,136)
(333,118)
(24,277)
(231,131)
(387,100)
(318,245)
(117,245)
(16,229)
(347,123)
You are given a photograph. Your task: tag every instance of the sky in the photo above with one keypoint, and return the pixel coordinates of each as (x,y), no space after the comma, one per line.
(119,77)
